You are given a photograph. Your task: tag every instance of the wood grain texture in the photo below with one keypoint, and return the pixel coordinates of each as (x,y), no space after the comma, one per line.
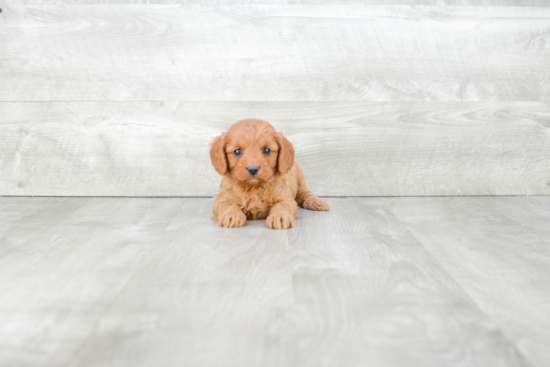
(344,148)
(303,52)
(515,3)
(154,281)
(498,251)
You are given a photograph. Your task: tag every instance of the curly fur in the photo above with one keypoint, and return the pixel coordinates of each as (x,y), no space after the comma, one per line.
(275,193)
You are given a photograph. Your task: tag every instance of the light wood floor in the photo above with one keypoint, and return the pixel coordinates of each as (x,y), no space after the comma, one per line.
(440,281)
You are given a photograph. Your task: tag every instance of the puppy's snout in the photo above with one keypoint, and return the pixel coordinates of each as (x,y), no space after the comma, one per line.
(252,169)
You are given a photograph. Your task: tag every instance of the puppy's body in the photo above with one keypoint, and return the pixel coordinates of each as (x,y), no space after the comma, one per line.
(273,191)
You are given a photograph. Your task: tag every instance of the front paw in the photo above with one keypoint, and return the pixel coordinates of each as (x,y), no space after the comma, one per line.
(232,220)
(280,220)
(315,203)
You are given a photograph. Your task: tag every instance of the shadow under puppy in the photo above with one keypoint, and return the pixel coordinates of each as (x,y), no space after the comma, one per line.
(260,180)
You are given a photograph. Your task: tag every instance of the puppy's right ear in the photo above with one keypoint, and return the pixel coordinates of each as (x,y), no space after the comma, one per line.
(217,154)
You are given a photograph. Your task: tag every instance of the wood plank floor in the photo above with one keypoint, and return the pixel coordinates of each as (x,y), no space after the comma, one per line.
(440,281)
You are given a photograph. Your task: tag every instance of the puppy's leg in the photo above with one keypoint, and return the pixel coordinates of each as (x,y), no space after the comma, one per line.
(282,214)
(228,213)
(313,202)
(305,198)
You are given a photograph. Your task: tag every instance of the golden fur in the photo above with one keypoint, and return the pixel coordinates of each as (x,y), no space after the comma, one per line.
(274,193)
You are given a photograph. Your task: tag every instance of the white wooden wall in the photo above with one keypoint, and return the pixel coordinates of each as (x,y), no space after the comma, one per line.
(121,98)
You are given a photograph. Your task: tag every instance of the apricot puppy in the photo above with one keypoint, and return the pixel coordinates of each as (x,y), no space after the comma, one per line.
(260,180)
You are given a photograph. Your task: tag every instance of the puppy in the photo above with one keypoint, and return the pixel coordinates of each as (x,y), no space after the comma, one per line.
(260,177)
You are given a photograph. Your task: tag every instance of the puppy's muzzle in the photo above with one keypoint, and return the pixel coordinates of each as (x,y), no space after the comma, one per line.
(253,170)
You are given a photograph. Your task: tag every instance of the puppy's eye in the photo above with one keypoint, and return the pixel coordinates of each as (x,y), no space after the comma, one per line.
(267,151)
(238,152)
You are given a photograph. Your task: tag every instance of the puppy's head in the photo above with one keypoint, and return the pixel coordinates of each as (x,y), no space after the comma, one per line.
(252,152)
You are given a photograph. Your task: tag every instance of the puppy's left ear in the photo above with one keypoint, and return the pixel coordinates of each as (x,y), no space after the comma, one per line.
(285,160)
(217,154)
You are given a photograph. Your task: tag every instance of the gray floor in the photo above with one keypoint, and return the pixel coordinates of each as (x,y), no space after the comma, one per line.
(448,281)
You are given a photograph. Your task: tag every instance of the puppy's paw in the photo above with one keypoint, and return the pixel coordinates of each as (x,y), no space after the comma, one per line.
(315,203)
(232,219)
(280,220)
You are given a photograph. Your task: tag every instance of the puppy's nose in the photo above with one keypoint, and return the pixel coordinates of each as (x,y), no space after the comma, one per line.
(253,169)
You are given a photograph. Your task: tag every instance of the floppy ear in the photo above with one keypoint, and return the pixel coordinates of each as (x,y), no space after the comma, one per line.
(217,154)
(285,160)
